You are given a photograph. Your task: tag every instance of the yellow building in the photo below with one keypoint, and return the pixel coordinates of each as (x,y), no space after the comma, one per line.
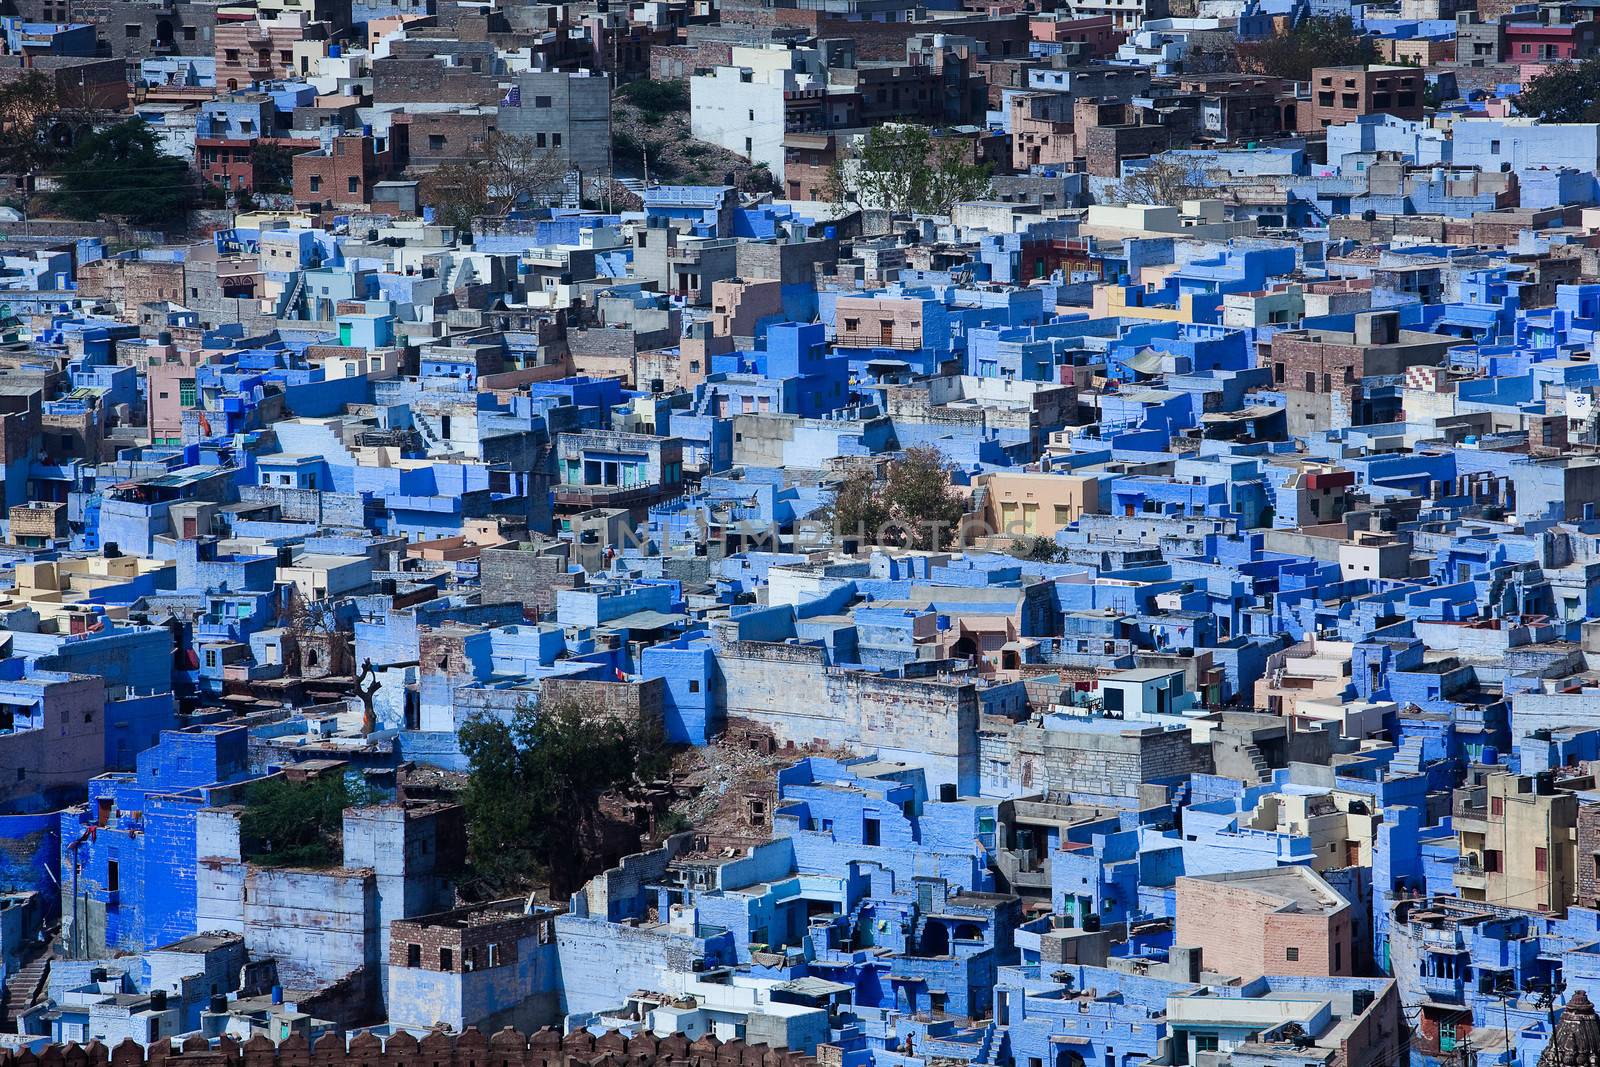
(1517,837)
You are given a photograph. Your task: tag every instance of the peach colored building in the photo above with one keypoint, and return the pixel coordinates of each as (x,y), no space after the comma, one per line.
(1037,503)
(868,322)
(1281,920)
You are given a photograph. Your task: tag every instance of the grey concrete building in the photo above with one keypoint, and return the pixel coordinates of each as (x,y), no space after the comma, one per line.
(568,112)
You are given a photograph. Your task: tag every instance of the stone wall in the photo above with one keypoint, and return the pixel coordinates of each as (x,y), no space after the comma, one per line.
(507,1048)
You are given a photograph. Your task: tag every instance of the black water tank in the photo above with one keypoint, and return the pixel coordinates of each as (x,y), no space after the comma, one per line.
(158,1000)
(219,1004)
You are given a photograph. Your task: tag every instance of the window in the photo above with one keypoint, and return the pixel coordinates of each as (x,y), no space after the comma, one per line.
(555,140)
(541,101)
(436,142)
(413,955)
(1292,954)
(1497,805)
(1114,700)
(113,877)
(316,184)
(447,960)
(694,685)
(1494,146)
(131,31)
(1337,962)
(1205,1042)
(354,183)
(1541,859)
(869,831)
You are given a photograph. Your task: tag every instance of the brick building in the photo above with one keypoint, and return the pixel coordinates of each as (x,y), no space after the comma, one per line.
(1344,94)
(1283,920)
(341,174)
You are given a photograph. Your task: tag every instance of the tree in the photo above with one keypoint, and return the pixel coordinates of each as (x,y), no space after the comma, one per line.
(1037,549)
(274,168)
(1566,92)
(536,785)
(913,504)
(121,171)
(511,171)
(1312,43)
(299,824)
(1166,180)
(28,108)
(904,169)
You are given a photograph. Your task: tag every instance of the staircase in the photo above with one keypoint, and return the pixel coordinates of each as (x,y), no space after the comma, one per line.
(1408,758)
(1263,769)
(1312,208)
(291,303)
(23,990)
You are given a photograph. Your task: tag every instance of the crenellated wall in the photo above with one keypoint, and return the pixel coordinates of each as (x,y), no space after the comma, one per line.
(507,1048)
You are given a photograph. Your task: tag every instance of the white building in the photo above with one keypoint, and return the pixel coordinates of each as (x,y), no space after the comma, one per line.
(742,109)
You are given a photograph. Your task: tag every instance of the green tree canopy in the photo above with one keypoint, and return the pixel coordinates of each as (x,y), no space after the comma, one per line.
(299,824)
(1566,92)
(121,171)
(904,168)
(912,505)
(28,106)
(534,794)
(1314,42)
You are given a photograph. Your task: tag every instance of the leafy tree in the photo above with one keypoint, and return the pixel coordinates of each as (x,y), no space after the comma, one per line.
(536,785)
(1312,43)
(274,168)
(121,170)
(904,169)
(510,170)
(859,509)
(1037,549)
(299,824)
(1566,92)
(28,107)
(913,505)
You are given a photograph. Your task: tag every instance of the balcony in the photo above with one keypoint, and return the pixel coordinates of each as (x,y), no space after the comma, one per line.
(607,496)
(1469,873)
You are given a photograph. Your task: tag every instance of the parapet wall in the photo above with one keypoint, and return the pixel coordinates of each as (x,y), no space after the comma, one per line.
(507,1048)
